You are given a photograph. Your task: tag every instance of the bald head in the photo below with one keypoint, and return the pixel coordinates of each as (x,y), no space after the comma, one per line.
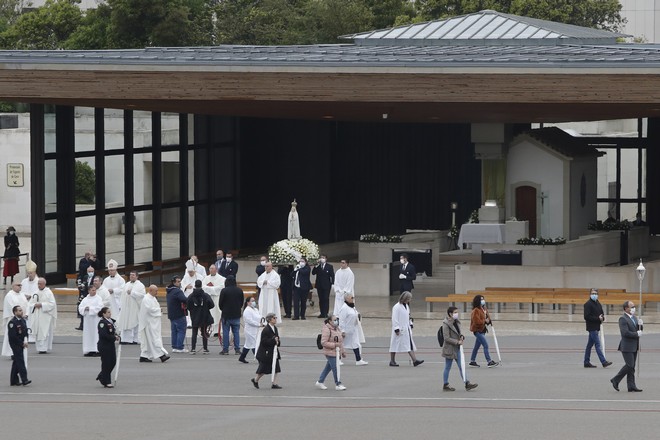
(153,290)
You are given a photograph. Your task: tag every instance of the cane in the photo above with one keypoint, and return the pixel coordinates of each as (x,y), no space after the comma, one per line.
(462,353)
(258,342)
(118,359)
(36,296)
(338,354)
(272,372)
(497,345)
(25,350)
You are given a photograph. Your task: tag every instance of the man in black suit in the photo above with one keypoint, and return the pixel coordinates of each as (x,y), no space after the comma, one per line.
(229,267)
(325,278)
(261,268)
(407,274)
(301,287)
(631,330)
(219,259)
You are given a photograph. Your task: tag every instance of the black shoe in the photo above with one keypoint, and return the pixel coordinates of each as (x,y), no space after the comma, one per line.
(89,355)
(446,387)
(255,383)
(295,319)
(474,364)
(237,352)
(393,364)
(243,361)
(43,352)
(287,316)
(125,343)
(134,343)
(321,316)
(224,353)
(614,384)
(492,364)
(144,359)
(164,357)
(589,365)
(303,318)
(78,328)
(15,384)
(28,382)
(418,362)
(470,386)
(606,364)
(630,390)
(277,387)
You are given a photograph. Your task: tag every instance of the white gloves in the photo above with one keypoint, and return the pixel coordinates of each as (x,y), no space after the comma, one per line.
(640,322)
(639,333)
(402,276)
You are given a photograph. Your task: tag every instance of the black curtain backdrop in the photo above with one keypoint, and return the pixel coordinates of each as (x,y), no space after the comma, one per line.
(353,178)
(652,178)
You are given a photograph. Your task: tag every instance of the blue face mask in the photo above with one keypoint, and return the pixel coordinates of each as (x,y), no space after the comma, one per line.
(594,297)
(483,302)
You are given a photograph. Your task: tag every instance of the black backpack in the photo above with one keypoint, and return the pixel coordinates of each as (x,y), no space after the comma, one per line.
(318,342)
(441,337)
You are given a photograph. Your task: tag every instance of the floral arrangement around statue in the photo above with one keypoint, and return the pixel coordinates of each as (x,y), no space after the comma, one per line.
(474,216)
(289,251)
(540,241)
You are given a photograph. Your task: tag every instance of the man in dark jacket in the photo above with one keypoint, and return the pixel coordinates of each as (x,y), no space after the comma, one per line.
(593,315)
(176,313)
(199,307)
(325,278)
(16,335)
(231,302)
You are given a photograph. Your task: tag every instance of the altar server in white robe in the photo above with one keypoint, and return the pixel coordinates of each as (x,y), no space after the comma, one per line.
(349,322)
(344,284)
(102,292)
(151,341)
(131,299)
(252,325)
(212,284)
(43,316)
(89,308)
(188,283)
(13,298)
(115,285)
(269,301)
(402,338)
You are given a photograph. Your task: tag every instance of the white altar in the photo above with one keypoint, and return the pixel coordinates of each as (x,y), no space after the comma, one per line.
(481,233)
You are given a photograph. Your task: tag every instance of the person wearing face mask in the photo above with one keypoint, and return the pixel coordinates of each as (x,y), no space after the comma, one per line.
(261,268)
(451,329)
(478,322)
(11,255)
(331,339)
(594,316)
(401,340)
(407,274)
(230,267)
(630,328)
(350,325)
(301,287)
(325,278)
(251,325)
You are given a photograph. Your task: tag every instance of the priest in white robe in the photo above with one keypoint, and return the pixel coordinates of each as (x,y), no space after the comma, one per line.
(115,285)
(151,341)
(30,284)
(188,283)
(198,267)
(13,298)
(212,284)
(89,308)
(131,299)
(344,283)
(43,316)
(102,292)
(269,301)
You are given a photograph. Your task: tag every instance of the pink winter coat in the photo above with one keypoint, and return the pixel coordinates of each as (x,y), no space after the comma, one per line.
(328,335)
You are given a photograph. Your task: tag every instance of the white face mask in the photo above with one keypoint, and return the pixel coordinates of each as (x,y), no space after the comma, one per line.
(253,304)
(335,322)
(263,262)
(322,260)
(11,232)
(228,259)
(455,315)
(302,264)
(633,310)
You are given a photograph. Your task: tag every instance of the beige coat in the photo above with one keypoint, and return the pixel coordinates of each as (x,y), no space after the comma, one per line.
(451,348)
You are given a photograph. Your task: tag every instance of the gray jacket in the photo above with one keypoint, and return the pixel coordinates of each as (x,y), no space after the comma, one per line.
(451,348)
(629,338)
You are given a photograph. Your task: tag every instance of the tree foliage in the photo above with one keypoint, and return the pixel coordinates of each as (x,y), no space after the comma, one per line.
(85,179)
(47,27)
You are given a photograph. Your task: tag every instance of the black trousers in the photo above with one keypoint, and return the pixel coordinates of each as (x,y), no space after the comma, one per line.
(287,293)
(628,369)
(324,301)
(18,370)
(108,362)
(205,339)
(299,302)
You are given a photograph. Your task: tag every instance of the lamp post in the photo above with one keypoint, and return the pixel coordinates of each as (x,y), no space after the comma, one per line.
(454,207)
(641,271)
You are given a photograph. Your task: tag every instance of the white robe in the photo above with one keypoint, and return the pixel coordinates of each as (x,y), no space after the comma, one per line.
(401,320)
(201,271)
(344,283)
(269,302)
(28,287)
(115,286)
(12,299)
(130,305)
(90,336)
(187,285)
(350,325)
(151,341)
(43,320)
(251,324)
(105,296)
(218,283)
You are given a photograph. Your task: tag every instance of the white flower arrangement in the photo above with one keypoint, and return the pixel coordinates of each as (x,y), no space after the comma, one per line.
(289,251)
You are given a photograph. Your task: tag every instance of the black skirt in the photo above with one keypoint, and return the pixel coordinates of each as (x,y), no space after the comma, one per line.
(267,367)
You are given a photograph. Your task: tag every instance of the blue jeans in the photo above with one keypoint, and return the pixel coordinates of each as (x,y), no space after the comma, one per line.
(330,365)
(445,375)
(593,340)
(178,327)
(235,325)
(481,340)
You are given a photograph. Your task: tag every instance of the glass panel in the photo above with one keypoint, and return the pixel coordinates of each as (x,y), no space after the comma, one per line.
(606,172)
(461,27)
(85,184)
(171,233)
(628,175)
(83,121)
(170,191)
(143,237)
(114,238)
(142,129)
(51,247)
(187,250)
(50,190)
(629,211)
(114,182)
(476,27)
(49,129)
(644,175)
(114,129)
(85,235)
(142,175)
(170,129)
(602,208)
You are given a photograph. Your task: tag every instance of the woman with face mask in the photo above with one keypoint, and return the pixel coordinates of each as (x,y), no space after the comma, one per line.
(401,339)
(451,330)
(479,319)
(11,255)
(331,339)
(252,323)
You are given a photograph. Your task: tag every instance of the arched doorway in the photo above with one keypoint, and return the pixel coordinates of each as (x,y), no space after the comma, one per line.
(526,206)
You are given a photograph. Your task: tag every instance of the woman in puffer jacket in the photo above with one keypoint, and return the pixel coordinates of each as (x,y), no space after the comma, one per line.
(331,339)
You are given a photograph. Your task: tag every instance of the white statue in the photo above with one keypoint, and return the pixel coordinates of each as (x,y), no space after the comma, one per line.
(294,224)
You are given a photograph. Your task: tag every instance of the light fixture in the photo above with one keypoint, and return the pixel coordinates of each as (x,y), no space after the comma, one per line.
(454,206)
(492,203)
(641,271)
(385,115)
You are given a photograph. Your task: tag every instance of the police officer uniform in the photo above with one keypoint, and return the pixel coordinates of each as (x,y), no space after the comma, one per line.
(16,333)
(106,347)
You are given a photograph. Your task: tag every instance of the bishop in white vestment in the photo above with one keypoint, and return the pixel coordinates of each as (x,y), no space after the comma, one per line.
(269,301)
(89,308)
(131,299)
(151,341)
(43,316)
(115,285)
(13,298)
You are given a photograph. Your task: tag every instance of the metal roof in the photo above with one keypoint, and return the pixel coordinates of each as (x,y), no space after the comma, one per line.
(560,141)
(340,55)
(487,28)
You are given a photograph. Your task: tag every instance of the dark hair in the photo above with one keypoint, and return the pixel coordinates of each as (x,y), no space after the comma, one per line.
(230,281)
(173,280)
(451,310)
(476,301)
(626,305)
(247,302)
(404,255)
(135,272)
(345,260)
(13,310)
(328,319)
(198,284)
(102,312)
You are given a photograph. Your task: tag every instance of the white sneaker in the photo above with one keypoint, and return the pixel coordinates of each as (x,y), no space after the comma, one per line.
(340,387)
(341,363)
(361,362)
(176,350)
(320,386)
(183,350)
